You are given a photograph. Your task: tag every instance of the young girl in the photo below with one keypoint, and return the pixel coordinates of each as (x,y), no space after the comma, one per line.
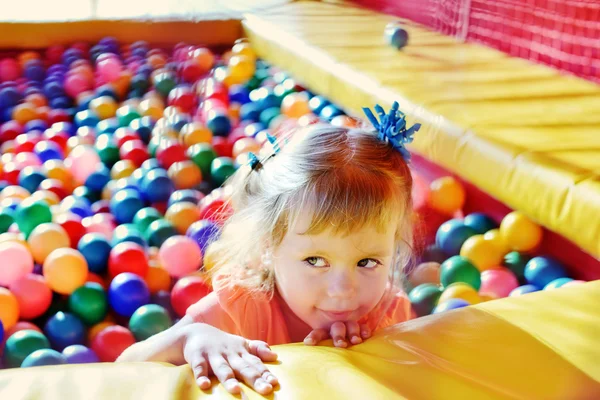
(313,250)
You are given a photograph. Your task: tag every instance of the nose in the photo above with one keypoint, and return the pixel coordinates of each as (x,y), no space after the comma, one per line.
(342,284)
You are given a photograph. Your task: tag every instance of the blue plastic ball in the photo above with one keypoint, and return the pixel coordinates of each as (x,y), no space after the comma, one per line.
(43,357)
(47,150)
(555,284)
(86,118)
(30,178)
(1,332)
(95,248)
(77,205)
(64,329)
(157,186)
(109,125)
(204,232)
(253,129)
(317,103)
(521,290)
(329,112)
(143,127)
(127,292)
(480,222)
(124,204)
(239,94)
(250,112)
(187,195)
(540,271)
(149,164)
(98,179)
(79,354)
(128,233)
(396,36)
(450,304)
(451,235)
(66,127)
(219,124)
(35,125)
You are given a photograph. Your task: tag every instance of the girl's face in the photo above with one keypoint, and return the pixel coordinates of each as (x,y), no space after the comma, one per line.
(326,278)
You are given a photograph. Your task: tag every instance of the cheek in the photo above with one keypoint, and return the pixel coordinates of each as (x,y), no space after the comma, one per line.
(374,290)
(294,284)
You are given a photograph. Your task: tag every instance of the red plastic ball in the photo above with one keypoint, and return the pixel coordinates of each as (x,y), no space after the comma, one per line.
(168,153)
(128,257)
(191,71)
(134,151)
(25,143)
(110,342)
(214,209)
(58,115)
(33,295)
(183,97)
(60,138)
(11,173)
(187,291)
(10,70)
(123,135)
(10,130)
(54,53)
(222,146)
(72,224)
(55,186)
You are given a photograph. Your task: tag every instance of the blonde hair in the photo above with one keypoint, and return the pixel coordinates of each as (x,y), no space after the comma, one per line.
(346,178)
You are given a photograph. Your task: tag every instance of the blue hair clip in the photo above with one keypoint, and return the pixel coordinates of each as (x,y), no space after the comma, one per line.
(273,140)
(392,128)
(253,160)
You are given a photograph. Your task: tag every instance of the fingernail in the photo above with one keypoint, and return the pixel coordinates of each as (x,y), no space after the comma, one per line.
(309,341)
(356,339)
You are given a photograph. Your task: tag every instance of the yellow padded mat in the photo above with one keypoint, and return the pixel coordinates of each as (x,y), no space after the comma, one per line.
(539,346)
(525,134)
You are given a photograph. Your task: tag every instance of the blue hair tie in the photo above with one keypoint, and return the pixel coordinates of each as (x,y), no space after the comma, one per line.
(392,128)
(253,160)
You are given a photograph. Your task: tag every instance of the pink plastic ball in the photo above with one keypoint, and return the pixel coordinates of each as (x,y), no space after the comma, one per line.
(27,159)
(101,223)
(180,256)
(498,282)
(109,68)
(17,262)
(10,70)
(82,162)
(75,84)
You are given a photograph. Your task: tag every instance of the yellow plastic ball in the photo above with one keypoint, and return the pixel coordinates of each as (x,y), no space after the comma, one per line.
(484,254)
(244,49)
(122,169)
(194,133)
(241,68)
(447,195)
(460,290)
(495,236)
(519,232)
(152,107)
(295,105)
(185,175)
(104,106)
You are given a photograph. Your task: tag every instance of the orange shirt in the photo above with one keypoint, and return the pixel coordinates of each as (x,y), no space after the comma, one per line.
(258,317)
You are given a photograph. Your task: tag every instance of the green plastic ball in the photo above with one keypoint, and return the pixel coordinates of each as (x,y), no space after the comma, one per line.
(148,320)
(459,269)
(21,344)
(126,114)
(202,154)
(144,217)
(6,219)
(516,262)
(164,83)
(89,303)
(107,149)
(159,231)
(31,213)
(220,169)
(269,115)
(424,298)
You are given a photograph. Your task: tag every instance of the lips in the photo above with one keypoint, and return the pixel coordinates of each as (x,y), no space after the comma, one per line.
(334,315)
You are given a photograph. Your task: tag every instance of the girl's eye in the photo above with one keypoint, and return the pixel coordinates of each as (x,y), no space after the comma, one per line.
(368,263)
(317,262)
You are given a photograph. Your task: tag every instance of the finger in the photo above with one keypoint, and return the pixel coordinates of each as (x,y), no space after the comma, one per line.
(249,373)
(220,367)
(365,332)
(338,334)
(353,332)
(315,337)
(200,368)
(261,350)
(258,364)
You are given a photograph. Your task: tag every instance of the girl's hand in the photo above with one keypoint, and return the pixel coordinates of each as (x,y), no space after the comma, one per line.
(229,357)
(342,333)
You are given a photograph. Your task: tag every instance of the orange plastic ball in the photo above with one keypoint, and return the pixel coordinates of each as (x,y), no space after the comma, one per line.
(45,195)
(152,107)
(14,192)
(157,61)
(295,105)
(520,233)
(24,113)
(427,272)
(37,100)
(447,195)
(185,174)
(194,133)
(245,145)
(205,58)
(65,270)
(27,56)
(9,308)
(46,238)
(182,214)
(344,121)
(157,279)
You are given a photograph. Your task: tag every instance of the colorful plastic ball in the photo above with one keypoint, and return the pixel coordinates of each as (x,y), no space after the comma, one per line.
(540,271)
(295,105)
(164,82)
(450,304)
(182,215)
(30,213)
(21,344)
(521,290)
(6,218)
(128,233)
(495,236)
(79,354)
(110,342)
(33,295)
(221,169)
(459,269)
(202,155)
(9,308)
(204,232)
(180,256)
(170,152)
(424,298)
(480,222)
(128,257)
(499,282)
(451,236)
(157,186)
(516,262)
(219,124)
(460,290)
(427,272)
(30,178)
(43,357)
(72,224)
(94,330)
(125,204)
(148,320)
(17,261)
(82,162)
(447,195)
(396,36)
(109,68)
(144,217)
(65,270)
(64,329)
(159,231)
(185,175)
(89,303)
(95,248)
(187,291)
(557,283)
(432,253)
(127,292)
(484,254)
(520,233)
(46,238)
